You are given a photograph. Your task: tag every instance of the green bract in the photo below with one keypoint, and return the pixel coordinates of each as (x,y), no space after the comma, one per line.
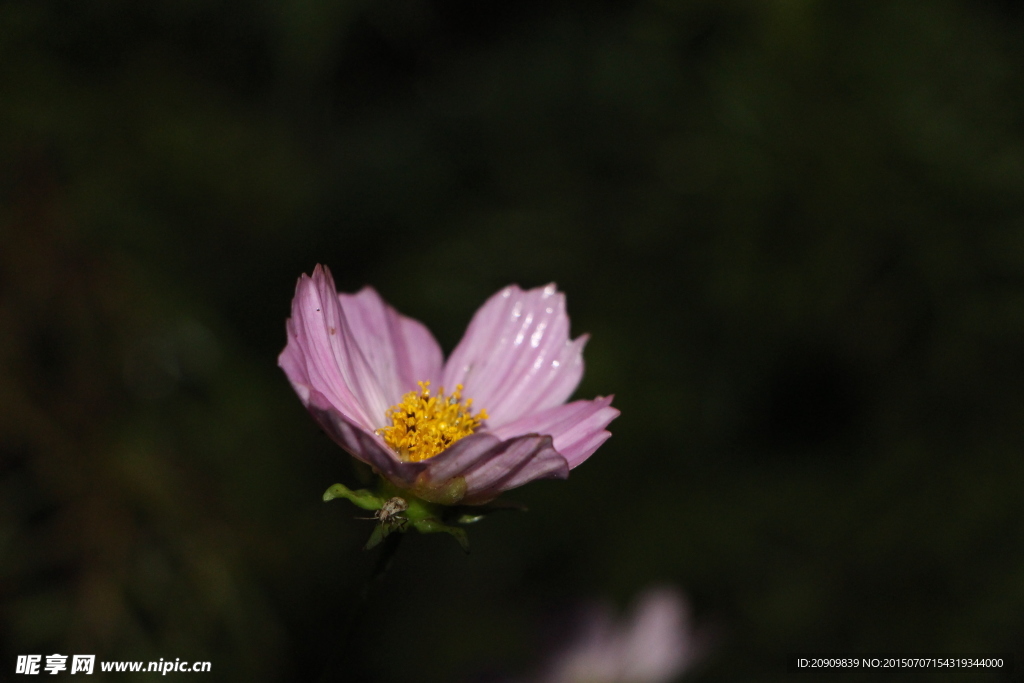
(423,516)
(397,510)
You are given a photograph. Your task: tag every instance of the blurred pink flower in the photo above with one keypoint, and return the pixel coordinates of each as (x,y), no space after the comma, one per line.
(656,644)
(356,364)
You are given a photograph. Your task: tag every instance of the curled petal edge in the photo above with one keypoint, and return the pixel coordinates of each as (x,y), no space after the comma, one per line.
(578,428)
(490,465)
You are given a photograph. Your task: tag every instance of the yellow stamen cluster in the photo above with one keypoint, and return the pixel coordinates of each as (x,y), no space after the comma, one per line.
(424,425)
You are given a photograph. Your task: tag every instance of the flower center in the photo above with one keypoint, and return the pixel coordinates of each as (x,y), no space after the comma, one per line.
(423,425)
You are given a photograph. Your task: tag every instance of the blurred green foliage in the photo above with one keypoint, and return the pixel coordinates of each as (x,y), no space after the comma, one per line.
(794,230)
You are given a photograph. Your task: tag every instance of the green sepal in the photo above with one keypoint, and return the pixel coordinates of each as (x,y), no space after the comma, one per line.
(427,507)
(380,532)
(470,514)
(361,498)
(432,525)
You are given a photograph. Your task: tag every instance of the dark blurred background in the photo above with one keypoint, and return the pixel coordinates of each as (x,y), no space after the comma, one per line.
(793,228)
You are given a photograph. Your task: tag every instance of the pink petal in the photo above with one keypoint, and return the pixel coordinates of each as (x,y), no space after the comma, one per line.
(491,465)
(400,351)
(317,356)
(355,350)
(591,654)
(655,645)
(658,644)
(516,357)
(577,428)
(363,445)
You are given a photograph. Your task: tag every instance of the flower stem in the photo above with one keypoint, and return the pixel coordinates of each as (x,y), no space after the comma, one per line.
(336,669)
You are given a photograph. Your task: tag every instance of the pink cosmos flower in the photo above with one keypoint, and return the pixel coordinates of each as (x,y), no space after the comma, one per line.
(656,644)
(375,380)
